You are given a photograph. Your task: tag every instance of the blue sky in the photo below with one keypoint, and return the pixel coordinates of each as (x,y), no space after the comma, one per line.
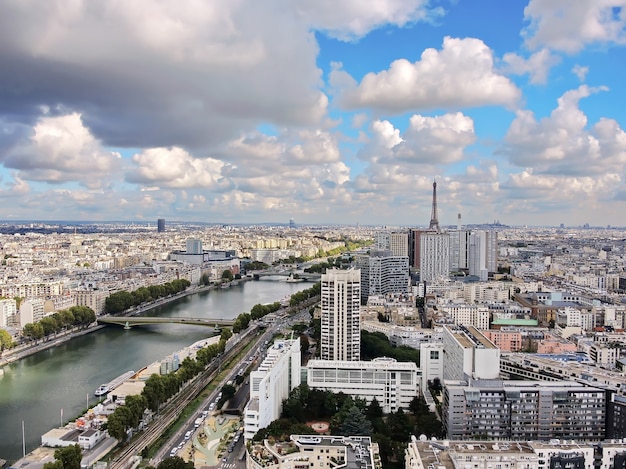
(317,110)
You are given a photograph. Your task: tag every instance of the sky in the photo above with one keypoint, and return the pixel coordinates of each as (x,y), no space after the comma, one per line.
(324,111)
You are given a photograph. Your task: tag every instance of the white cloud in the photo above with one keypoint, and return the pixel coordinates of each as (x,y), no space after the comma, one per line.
(427,140)
(61,149)
(562,143)
(351,19)
(461,74)
(569,26)
(580,72)
(175,168)
(436,140)
(538,65)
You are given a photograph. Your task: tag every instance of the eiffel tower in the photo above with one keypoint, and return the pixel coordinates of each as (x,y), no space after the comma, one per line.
(434,222)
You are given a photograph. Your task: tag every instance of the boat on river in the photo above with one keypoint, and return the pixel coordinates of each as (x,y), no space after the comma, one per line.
(110,386)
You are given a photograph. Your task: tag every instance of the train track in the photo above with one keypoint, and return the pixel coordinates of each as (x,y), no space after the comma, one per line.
(170,412)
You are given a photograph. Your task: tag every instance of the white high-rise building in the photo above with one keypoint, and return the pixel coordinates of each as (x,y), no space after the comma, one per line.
(459,242)
(341,307)
(434,256)
(483,253)
(270,385)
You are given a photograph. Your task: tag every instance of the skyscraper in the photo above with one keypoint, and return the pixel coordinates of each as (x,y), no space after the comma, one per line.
(341,303)
(160,225)
(434,256)
(483,253)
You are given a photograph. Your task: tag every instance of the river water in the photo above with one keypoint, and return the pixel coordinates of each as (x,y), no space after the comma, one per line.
(60,381)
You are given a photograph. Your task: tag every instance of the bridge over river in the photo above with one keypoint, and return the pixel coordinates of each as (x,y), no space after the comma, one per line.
(127,322)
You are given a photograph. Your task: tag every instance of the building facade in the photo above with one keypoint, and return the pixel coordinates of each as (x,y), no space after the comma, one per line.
(382,273)
(434,256)
(523,410)
(340,315)
(394,384)
(468,353)
(270,384)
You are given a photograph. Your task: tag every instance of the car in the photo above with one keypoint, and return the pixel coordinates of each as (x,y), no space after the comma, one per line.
(224,459)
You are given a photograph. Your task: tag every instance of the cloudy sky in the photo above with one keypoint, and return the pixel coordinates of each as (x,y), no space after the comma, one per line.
(324,111)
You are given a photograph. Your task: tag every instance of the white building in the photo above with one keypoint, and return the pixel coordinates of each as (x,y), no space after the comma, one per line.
(431,362)
(340,315)
(8,312)
(270,384)
(394,384)
(31,311)
(467,352)
(467,315)
(482,253)
(434,256)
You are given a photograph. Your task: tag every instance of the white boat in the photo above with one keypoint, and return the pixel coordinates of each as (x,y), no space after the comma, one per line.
(108,387)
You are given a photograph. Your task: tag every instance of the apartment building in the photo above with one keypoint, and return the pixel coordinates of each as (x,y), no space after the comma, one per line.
(523,410)
(270,384)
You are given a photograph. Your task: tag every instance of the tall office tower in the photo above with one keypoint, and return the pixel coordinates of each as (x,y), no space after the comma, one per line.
(382,273)
(194,246)
(434,256)
(459,242)
(160,225)
(434,221)
(483,253)
(292,223)
(399,243)
(341,303)
(414,247)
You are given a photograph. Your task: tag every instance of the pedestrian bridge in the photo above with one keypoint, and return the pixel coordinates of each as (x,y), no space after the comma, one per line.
(127,322)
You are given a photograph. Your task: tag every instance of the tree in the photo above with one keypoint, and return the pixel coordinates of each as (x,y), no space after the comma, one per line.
(355,424)
(33,331)
(6,341)
(227,275)
(68,457)
(175,462)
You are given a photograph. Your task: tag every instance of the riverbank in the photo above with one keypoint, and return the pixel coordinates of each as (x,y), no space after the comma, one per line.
(25,350)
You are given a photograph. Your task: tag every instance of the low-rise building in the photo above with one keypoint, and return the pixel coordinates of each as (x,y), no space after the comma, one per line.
(308,452)
(394,384)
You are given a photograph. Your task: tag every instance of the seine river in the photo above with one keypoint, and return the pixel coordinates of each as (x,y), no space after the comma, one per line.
(61,381)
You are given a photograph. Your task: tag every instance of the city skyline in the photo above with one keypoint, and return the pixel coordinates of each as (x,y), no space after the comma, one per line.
(243,113)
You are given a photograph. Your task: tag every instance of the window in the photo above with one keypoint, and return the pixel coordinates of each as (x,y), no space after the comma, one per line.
(434,354)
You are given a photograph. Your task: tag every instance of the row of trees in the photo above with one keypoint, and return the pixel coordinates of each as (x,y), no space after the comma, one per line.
(160,388)
(259,310)
(122,300)
(76,316)
(304,295)
(353,417)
